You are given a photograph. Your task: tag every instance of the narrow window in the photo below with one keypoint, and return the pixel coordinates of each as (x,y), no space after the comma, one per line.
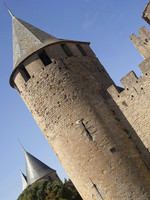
(81,50)
(26,76)
(44,58)
(66,50)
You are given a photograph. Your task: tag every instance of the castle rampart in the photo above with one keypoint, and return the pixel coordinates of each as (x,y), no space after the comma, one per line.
(134,99)
(142,42)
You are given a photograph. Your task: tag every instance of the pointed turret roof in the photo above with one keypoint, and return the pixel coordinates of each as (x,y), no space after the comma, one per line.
(35,169)
(24,180)
(28,39)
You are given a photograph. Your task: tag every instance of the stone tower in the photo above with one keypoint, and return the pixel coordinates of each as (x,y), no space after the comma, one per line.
(65,87)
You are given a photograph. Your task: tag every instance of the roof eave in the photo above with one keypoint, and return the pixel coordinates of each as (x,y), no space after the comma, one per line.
(49,43)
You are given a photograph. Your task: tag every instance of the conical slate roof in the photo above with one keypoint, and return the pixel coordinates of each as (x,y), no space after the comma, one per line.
(35,169)
(28,39)
(24,180)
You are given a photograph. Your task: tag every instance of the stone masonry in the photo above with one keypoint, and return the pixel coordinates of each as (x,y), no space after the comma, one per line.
(65,87)
(134,99)
(146,13)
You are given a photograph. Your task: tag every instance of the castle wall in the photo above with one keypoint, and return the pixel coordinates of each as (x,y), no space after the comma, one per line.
(67,100)
(134,100)
(142,43)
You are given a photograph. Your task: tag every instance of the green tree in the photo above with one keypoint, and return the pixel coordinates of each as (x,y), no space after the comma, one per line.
(45,190)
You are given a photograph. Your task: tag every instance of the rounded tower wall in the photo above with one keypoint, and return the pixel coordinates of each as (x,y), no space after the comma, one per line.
(66,98)
(55,52)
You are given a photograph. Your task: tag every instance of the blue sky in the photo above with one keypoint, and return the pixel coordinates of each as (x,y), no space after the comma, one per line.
(106,24)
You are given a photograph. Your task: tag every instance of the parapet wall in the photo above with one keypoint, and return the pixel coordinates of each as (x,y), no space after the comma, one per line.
(142,42)
(134,100)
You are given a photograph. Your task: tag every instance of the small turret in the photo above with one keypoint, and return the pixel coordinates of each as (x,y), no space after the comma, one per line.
(35,169)
(24,180)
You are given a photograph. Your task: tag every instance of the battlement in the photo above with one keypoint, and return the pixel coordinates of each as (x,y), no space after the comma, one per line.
(131,85)
(133,100)
(142,42)
(128,80)
(131,82)
(145,66)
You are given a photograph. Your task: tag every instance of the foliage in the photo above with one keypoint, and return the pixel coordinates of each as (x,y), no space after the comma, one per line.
(45,190)
(124,103)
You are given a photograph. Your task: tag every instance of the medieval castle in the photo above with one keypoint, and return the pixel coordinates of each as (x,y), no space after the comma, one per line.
(99,132)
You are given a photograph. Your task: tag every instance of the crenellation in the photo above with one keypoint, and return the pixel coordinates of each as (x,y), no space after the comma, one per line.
(29,64)
(145,66)
(134,39)
(88,50)
(55,51)
(19,81)
(74,49)
(133,98)
(142,42)
(129,80)
(134,86)
(144,33)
